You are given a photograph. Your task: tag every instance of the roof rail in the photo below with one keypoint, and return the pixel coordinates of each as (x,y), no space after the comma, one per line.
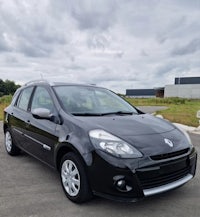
(36,81)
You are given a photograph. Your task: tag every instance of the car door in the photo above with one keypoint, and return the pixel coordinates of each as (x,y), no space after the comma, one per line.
(39,132)
(19,115)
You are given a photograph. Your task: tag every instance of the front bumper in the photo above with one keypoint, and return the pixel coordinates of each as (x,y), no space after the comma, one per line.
(167,187)
(134,179)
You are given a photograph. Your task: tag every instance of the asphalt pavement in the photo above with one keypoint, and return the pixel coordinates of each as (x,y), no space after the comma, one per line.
(151,109)
(29,188)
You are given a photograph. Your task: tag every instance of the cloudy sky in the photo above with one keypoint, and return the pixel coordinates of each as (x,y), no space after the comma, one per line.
(118,44)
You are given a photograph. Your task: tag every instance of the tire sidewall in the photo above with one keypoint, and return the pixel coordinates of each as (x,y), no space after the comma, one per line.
(5,141)
(14,149)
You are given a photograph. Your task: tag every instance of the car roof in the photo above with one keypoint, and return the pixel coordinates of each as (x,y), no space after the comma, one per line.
(45,82)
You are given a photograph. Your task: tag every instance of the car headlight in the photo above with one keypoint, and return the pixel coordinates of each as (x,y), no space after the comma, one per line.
(112,144)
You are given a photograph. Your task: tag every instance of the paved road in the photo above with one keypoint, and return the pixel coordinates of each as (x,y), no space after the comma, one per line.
(151,109)
(30,189)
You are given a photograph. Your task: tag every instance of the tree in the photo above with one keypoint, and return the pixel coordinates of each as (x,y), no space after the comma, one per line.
(8,87)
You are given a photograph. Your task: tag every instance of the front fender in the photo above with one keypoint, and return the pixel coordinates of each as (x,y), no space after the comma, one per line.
(75,146)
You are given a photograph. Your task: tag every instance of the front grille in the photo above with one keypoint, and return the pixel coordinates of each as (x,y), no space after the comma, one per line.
(169,155)
(163,174)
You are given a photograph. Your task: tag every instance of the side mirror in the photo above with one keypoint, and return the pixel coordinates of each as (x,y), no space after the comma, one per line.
(42,113)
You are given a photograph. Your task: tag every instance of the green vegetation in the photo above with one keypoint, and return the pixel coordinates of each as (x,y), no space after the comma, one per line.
(157,101)
(179,110)
(4,102)
(7,87)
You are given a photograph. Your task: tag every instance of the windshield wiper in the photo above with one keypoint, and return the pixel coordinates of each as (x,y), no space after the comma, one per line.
(104,114)
(87,114)
(119,113)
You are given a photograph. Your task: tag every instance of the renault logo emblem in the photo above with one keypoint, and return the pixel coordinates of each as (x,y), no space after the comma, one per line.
(169,142)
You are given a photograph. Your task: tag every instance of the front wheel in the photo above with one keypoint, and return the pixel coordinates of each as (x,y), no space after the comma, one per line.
(74,178)
(11,148)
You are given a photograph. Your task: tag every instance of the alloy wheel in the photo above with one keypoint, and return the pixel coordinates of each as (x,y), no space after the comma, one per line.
(8,141)
(70,178)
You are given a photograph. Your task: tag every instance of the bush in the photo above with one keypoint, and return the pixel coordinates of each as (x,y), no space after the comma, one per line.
(5,99)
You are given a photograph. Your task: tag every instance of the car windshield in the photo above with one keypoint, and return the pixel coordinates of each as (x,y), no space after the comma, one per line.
(91,101)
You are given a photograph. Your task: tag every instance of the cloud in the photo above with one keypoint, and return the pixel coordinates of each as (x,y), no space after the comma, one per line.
(191,47)
(3,43)
(117,44)
(93,14)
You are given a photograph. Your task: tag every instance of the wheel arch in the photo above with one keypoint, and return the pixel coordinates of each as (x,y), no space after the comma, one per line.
(5,127)
(65,148)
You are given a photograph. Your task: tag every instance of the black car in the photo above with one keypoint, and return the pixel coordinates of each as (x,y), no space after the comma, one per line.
(99,143)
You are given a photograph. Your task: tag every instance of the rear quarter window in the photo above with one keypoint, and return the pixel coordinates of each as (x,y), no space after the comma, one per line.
(24,98)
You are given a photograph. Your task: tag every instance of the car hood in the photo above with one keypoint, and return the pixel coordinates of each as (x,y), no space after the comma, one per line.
(145,132)
(128,125)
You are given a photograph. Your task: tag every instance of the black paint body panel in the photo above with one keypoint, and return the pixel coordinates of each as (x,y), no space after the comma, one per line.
(44,139)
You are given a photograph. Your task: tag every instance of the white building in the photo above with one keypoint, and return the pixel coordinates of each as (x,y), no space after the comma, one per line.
(191,91)
(184,87)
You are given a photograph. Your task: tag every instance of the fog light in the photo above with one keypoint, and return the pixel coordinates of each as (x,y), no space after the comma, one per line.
(121,184)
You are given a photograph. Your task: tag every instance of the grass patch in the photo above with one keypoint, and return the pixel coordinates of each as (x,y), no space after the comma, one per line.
(179,110)
(4,102)
(156,101)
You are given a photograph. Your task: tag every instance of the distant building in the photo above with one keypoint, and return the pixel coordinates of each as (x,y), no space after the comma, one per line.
(141,93)
(183,87)
(145,93)
(187,80)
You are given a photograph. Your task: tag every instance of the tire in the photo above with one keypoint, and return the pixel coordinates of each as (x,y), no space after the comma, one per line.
(11,148)
(74,178)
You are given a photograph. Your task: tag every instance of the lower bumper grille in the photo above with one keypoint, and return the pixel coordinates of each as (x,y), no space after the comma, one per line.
(163,174)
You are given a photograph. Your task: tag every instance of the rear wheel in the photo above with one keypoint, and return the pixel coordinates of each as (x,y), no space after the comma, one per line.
(74,178)
(11,148)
